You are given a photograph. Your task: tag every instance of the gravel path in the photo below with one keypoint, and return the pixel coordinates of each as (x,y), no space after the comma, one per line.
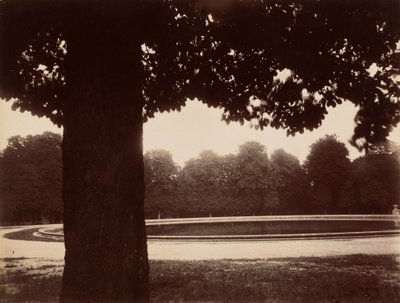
(167,250)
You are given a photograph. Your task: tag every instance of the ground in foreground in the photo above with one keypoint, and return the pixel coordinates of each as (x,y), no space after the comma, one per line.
(356,278)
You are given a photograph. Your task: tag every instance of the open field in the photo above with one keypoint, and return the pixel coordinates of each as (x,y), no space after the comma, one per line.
(355,278)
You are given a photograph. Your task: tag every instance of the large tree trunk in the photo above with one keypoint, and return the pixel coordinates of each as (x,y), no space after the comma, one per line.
(105,238)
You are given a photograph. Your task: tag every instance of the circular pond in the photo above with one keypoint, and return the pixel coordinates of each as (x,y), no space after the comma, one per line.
(266,227)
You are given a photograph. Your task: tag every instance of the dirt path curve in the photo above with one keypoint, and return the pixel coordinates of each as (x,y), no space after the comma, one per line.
(169,250)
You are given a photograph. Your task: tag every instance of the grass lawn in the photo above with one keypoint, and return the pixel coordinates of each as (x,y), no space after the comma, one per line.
(355,278)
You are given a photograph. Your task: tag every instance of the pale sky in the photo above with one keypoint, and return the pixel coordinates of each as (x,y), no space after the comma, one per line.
(197,128)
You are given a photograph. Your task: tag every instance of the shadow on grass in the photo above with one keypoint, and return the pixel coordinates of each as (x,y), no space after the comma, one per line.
(356,278)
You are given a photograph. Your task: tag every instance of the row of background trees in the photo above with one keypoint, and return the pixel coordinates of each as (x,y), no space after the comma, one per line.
(247,183)
(31,179)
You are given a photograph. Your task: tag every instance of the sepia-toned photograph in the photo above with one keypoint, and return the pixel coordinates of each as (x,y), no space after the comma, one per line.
(199,151)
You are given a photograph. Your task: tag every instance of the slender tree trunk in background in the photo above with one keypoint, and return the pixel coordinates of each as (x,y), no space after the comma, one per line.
(103,187)
(261,207)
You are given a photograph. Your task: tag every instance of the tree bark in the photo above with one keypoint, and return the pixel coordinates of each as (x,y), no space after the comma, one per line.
(103,187)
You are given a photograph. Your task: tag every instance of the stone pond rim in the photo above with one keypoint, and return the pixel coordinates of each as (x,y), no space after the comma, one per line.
(49,231)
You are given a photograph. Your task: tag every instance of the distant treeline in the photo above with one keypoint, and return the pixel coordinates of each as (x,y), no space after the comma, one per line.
(31,180)
(251,182)
(247,183)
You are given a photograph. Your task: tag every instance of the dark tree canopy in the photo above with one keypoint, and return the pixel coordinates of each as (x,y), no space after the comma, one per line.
(31,179)
(160,177)
(256,178)
(294,187)
(226,54)
(375,182)
(328,167)
(202,184)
